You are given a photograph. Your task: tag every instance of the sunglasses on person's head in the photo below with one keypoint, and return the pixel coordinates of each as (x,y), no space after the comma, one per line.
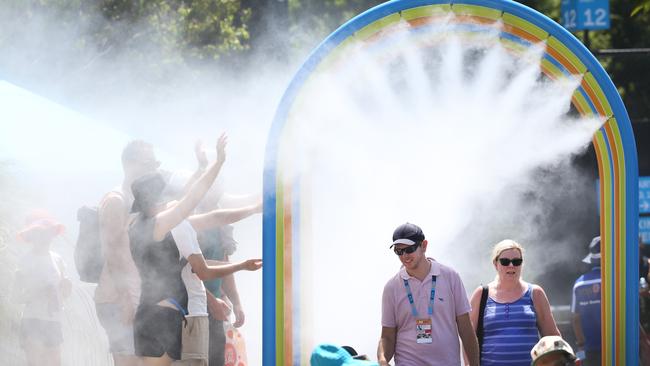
(407,250)
(515,261)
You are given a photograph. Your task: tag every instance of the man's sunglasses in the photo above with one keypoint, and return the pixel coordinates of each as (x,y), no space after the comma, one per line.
(407,250)
(515,261)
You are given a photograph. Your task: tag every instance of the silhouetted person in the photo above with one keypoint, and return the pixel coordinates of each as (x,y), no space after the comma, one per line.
(585,307)
(41,285)
(118,290)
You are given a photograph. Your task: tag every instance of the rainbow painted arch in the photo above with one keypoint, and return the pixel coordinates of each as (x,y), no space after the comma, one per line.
(520,27)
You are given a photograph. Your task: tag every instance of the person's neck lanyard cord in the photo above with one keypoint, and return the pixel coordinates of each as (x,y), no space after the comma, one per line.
(414,311)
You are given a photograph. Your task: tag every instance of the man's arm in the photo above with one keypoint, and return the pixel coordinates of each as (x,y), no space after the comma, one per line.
(117,254)
(468,337)
(386,347)
(577,329)
(218,308)
(221,217)
(229,288)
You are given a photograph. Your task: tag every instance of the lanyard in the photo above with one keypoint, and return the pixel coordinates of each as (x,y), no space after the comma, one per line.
(431,298)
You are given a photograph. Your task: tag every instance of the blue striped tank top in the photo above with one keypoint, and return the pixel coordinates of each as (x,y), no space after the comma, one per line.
(510,331)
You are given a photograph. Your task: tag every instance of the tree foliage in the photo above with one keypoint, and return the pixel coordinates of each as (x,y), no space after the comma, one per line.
(163,34)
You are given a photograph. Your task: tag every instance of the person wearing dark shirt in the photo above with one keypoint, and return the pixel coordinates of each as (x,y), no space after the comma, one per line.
(585,308)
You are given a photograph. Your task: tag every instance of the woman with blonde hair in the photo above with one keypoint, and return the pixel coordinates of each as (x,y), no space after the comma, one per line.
(514,312)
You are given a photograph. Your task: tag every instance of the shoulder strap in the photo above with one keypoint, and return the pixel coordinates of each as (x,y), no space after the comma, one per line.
(481,313)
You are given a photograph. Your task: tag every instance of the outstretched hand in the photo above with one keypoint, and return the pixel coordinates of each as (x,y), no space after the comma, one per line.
(221,148)
(252,264)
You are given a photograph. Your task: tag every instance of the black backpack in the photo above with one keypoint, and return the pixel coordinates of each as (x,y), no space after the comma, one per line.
(88,256)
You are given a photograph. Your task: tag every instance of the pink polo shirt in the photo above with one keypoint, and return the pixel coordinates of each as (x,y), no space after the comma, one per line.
(450,302)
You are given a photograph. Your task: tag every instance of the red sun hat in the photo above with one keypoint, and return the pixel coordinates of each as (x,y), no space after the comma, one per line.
(39,219)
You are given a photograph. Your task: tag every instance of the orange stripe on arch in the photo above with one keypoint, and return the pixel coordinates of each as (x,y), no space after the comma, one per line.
(562,60)
(594,99)
(521,33)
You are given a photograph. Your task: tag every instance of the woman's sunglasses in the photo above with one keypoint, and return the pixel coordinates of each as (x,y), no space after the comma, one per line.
(407,250)
(515,261)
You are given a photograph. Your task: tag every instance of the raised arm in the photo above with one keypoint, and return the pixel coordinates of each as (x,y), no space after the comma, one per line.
(221,217)
(173,215)
(545,321)
(201,165)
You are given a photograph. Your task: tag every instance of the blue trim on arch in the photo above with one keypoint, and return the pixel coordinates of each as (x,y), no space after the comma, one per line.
(514,8)
(268,272)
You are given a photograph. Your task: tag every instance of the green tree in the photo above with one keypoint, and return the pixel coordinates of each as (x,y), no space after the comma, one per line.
(313,20)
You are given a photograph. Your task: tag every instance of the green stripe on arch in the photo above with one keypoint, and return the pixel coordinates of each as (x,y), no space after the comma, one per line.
(425,11)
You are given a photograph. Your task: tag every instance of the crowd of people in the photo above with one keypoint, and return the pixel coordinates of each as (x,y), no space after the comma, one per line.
(160,300)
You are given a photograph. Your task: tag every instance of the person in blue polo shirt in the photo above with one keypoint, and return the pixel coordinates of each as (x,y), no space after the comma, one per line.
(585,308)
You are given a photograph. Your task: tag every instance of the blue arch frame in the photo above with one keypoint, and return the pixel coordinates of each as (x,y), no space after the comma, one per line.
(348,29)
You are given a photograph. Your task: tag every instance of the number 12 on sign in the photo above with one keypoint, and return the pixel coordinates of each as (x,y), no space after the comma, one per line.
(585,14)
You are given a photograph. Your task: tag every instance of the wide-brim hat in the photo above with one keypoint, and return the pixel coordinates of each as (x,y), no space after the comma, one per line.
(39,219)
(594,252)
(331,355)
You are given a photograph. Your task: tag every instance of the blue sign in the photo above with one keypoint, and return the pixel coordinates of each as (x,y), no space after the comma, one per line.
(644,229)
(585,14)
(644,195)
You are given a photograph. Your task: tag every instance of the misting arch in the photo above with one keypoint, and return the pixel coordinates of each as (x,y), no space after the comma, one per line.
(520,28)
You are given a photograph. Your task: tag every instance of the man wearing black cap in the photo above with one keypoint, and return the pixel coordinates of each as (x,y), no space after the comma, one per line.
(585,308)
(424,308)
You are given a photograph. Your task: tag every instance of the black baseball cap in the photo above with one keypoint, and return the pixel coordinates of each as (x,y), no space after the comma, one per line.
(408,234)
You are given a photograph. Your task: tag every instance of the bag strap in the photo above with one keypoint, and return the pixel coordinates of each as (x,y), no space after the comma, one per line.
(481,312)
